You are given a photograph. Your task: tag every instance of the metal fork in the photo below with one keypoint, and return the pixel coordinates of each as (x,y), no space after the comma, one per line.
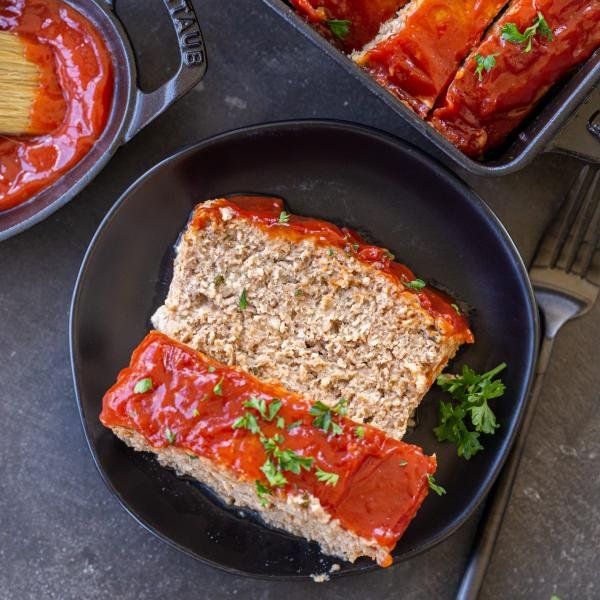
(566,279)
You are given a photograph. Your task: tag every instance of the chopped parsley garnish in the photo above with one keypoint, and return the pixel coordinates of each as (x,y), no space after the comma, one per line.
(434,487)
(275,477)
(294,425)
(511,33)
(262,491)
(243,301)
(325,477)
(211,369)
(486,63)
(260,404)
(331,252)
(456,309)
(218,280)
(403,462)
(171,437)
(143,386)
(195,413)
(280,423)
(284,217)
(270,444)
(291,461)
(472,392)
(218,389)
(359,431)
(415,284)
(323,416)
(247,421)
(339,27)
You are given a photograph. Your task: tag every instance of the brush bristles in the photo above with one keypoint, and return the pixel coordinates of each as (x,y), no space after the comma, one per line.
(19,86)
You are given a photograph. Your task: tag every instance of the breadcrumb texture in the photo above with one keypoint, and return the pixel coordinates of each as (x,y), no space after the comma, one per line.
(319,321)
(299,514)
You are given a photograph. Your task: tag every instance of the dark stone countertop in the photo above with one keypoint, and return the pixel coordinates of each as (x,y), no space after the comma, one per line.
(63,535)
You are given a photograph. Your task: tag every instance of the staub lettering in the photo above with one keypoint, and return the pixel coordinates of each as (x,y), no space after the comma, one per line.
(188,31)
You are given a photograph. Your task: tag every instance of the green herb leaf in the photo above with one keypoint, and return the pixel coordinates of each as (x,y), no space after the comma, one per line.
(472,393)
(171,437)
(275,477)
(211,369)
(274,407)
(247,421)
(325,477)
(291,461)
(331,252)
(243,301)
(456,309)
(218,389)
(339,28)
(280,423)
(415,284)
(294,425)
(433,486)
(270,444)
(195,413)
(284,217)
(218,281)
(483,62)
(511,33)
(143,386)
(323,416)
(359,431)
(262,491)
(259,404)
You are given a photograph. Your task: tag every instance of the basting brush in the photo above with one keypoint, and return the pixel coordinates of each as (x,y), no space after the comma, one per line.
(31,99)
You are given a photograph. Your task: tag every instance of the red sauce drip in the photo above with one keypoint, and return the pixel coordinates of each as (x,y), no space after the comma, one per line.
(77,56)
(382,482)
(266,211)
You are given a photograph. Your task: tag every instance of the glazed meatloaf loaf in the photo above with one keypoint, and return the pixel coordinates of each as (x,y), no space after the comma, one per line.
(306,469)
(310,305)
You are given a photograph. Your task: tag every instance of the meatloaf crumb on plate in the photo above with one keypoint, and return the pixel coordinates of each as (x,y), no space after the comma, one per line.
(313,306)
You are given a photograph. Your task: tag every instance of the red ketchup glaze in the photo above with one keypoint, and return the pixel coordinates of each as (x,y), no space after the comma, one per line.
(477,116)
(417,63)
(79,58)
(382,482)
(365,16)
(265,211)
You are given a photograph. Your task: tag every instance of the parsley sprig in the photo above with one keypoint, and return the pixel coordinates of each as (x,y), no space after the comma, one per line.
(486,63)
(415,284)
(511,33)
(339,27)
(472,392)
(324,416)
(435,487)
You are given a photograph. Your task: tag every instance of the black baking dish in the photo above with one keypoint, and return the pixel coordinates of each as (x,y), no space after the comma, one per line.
(537,136)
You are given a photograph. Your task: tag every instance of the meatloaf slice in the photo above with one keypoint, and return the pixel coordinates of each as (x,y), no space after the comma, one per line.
(310,471)
(312,306)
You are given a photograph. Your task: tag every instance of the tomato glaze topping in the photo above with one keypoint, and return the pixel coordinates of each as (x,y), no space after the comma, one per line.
(267,212)
(72,48)
(194,402)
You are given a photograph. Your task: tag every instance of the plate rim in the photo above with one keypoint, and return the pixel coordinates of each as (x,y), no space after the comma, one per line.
(444,173)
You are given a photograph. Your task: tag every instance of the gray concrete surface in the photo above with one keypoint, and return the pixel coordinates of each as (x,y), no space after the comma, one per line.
(64,536)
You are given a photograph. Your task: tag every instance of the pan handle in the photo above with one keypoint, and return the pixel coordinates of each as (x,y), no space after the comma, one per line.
(581,136)
(149,105)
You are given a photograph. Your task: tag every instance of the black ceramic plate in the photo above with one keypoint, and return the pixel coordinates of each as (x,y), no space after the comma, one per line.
(353,176)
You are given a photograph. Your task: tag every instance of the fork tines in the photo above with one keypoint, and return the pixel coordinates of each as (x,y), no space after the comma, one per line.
(571,244)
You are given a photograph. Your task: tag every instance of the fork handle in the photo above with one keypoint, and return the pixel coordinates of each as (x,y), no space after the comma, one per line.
(495,506)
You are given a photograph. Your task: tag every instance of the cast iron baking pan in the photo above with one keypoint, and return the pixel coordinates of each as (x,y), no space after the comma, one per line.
(354,176)
(538,133)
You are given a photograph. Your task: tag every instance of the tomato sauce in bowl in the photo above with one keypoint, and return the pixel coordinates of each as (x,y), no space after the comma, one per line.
(83,66)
